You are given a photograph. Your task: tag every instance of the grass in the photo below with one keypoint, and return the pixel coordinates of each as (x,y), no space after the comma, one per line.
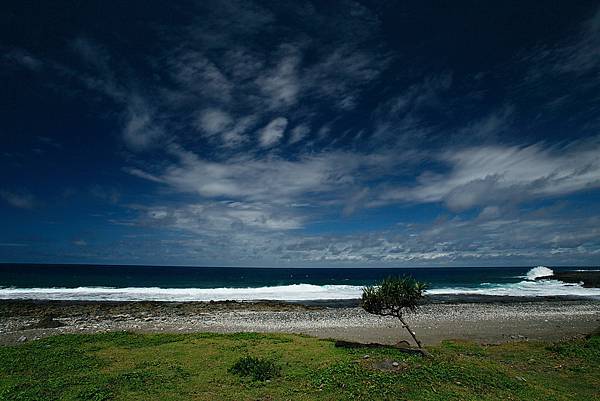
(128,366)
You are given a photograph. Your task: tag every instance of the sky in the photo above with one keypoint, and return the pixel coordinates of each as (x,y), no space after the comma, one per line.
(299,133)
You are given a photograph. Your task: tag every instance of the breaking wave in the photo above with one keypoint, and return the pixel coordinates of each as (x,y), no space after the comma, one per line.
(527,287)
(539,271)
(294,292)
(530,287)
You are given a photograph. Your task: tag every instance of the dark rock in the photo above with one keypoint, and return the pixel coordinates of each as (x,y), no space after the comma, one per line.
(47,322)
(590,279)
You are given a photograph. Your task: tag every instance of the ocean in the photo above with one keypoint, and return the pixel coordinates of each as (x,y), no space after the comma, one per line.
(172,283)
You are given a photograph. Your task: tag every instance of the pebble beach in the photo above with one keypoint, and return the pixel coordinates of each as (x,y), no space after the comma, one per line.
(494,321)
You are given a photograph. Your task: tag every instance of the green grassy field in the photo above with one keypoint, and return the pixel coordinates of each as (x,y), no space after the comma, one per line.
(127,366)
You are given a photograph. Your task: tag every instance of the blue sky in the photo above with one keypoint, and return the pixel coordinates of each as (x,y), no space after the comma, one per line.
(298,133)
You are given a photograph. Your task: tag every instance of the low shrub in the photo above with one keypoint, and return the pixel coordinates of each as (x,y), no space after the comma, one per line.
(258,369)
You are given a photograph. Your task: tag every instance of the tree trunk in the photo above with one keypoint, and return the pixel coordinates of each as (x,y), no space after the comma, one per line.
(410,331)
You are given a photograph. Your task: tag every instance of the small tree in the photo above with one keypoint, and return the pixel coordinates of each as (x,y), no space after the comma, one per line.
(394,296)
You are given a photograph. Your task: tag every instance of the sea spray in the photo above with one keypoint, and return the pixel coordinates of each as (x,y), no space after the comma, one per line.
(537,272)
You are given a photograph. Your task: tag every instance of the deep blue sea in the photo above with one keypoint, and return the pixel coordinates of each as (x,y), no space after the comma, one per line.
(170,283)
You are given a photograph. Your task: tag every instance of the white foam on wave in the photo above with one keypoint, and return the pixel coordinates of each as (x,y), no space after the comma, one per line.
(295,292)
(525,288)
(539,271)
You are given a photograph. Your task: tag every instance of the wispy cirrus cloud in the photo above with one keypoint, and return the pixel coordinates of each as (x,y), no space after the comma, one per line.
(273,180)
(231,95)
(273,132)
(578,54)
(141,130)
(480,176)
(217,218)
(18,199)
(565,72)
(22,58)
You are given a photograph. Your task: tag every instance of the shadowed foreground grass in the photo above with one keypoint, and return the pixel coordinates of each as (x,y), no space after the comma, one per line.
(127,366)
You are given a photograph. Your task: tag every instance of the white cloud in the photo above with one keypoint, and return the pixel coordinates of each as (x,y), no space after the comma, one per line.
(196,74)
(281,85)
(141,130)
(217,218)
(214,79)
(573,56)
(322,178)
(108,194)
(299,132)
(423,94)
(271,180)
(342,74)
(490,126)
(98,74)
(236,135)
(489,213)
(525,238)
(584,54)
(492,175)
(23,58)
(273,132)
(218,123)
(214,121)
(21,200)
(259,231)
(92,54)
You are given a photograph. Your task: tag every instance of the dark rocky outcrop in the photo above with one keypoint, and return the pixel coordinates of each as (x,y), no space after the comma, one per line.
(590,279)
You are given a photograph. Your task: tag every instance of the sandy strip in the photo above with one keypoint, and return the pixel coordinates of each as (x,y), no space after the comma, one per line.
(484,322)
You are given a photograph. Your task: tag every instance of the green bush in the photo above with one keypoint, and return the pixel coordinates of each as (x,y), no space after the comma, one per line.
(258,368)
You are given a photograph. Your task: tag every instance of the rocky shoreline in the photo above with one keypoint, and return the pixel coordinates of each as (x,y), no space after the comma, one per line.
(490,322)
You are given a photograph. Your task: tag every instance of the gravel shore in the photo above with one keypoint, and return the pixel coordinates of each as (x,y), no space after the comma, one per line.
(490,322)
